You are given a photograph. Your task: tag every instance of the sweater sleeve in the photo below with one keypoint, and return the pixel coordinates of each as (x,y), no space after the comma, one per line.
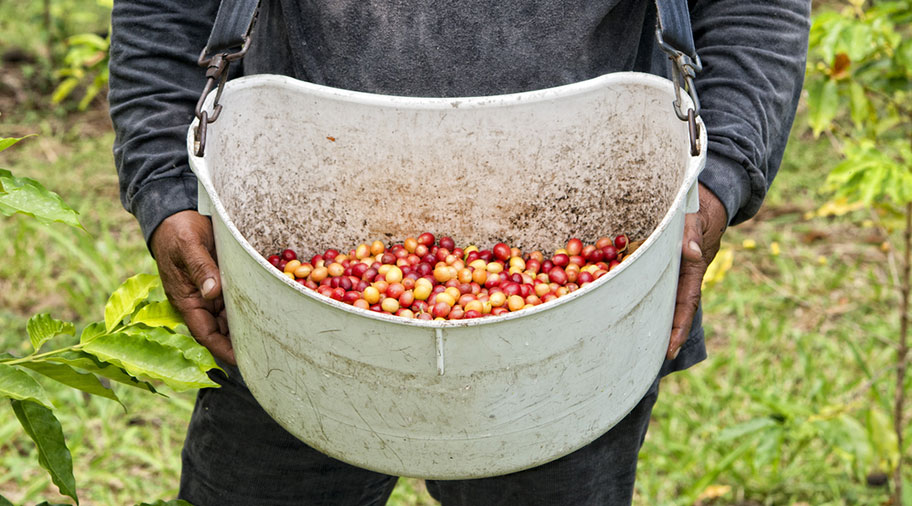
(154,85)
(753,56)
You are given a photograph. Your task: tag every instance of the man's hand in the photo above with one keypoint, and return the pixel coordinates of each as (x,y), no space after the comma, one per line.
(184,248)
(702,235)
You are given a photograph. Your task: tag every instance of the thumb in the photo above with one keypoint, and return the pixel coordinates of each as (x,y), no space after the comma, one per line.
(202,270)
(692,243)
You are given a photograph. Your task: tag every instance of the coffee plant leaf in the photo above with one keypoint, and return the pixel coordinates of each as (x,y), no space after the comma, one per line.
(62,373)
(860,108)
(18,385)
(158,314)
(6,142)
(42,327)
(144,357)
(126,297)
(26,196)
(5,502)
(91,331)
(43,427)
(823,104)
(188,346)
(90,363)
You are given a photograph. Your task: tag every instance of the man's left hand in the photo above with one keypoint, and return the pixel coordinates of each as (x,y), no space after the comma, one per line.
(702,236)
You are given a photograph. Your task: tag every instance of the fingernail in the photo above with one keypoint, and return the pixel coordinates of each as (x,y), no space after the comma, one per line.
(208,285)
(675,354)
(694,246)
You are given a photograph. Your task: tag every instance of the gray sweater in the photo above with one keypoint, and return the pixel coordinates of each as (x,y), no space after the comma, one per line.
(753,55)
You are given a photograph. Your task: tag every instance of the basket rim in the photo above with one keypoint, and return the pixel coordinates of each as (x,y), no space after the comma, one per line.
(199,167)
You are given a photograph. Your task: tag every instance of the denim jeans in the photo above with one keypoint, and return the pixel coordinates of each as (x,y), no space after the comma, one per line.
(235,454)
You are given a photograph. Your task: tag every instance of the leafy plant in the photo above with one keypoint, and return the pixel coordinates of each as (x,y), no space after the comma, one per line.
(85,63)
(27,196)
(138,341)
(859,94)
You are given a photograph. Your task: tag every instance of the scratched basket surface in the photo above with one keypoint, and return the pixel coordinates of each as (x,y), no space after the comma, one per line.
(294,164)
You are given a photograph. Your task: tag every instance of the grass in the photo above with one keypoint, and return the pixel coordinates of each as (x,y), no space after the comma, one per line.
(119,457)
(799,341)
(781,328)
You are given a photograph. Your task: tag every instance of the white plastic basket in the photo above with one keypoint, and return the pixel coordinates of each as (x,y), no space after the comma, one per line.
(290,163)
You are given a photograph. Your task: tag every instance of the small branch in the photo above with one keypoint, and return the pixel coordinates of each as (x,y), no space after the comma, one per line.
(48,30)
(891,256)
(901,107)
(902,356)
(33,357)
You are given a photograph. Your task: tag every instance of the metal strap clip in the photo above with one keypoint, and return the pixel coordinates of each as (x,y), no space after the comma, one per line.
(216,71)
(683,70)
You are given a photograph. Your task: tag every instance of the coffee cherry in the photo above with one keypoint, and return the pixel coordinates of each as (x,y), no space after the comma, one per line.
(501,251)
(515,303)
(420,279)
(560,260)
(441,310)
(574,247)
(371,295)
(390,305)
(557,275)
(426,239)
(620,242)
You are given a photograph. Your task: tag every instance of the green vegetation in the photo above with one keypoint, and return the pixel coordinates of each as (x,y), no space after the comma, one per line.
(793,406)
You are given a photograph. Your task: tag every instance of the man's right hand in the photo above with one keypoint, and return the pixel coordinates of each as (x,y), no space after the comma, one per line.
(184,247)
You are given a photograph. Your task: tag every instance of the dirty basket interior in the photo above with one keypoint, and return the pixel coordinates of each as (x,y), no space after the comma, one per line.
(292,164)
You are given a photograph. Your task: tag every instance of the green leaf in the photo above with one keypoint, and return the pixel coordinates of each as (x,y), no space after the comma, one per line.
(88,39)
(127,296)
(846,435)
(748,427)
(857,41)
(6,142)
(92,90)
(189,347)
(42,327)
(861,108)
(91,331)
(5,502)
(91,363)
(826,34)
(158,314)
(27,196)
(882,436)
(903,57)
(173,502)
(907,491)
(64,89)
(65,374)
(145,357)
(43,427)
(871,187)
(769,447)
(720,466)
(17,384)
(823,104)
